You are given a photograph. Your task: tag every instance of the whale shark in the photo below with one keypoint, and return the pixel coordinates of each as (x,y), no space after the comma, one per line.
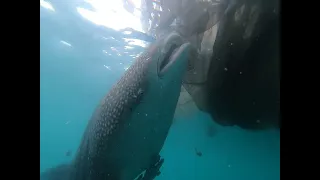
(128,128)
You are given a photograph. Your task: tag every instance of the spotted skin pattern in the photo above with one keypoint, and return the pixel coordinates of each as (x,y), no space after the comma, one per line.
(115,107)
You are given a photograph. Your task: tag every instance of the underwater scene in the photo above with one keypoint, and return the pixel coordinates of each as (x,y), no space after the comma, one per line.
(159,89)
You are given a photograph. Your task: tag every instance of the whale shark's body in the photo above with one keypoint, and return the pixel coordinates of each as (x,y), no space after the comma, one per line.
(128,129)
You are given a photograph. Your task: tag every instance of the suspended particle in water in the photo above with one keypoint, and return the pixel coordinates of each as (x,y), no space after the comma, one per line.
(68,153)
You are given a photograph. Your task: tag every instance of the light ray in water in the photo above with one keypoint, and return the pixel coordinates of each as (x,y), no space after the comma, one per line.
(46,5)
(136,42)
(66,43)
(111,14)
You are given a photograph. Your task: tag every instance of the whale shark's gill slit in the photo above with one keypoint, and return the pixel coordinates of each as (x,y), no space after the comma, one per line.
(166,59)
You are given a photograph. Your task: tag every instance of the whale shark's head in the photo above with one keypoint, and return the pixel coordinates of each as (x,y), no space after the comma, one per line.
(169,60)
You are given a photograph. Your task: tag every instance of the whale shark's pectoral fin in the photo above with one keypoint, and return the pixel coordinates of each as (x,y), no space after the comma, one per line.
(153,171)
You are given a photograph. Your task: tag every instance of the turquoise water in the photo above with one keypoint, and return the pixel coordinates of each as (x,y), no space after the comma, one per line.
(82,57)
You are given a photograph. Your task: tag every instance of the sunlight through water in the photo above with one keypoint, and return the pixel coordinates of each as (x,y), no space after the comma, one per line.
(111,14)
(46,5)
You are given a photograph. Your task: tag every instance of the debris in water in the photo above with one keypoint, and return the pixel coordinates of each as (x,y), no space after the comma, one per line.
(198,152)
(68,153)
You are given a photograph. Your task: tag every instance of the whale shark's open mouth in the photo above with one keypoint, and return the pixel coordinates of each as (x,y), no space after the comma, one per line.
(172,46)
(166,60)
